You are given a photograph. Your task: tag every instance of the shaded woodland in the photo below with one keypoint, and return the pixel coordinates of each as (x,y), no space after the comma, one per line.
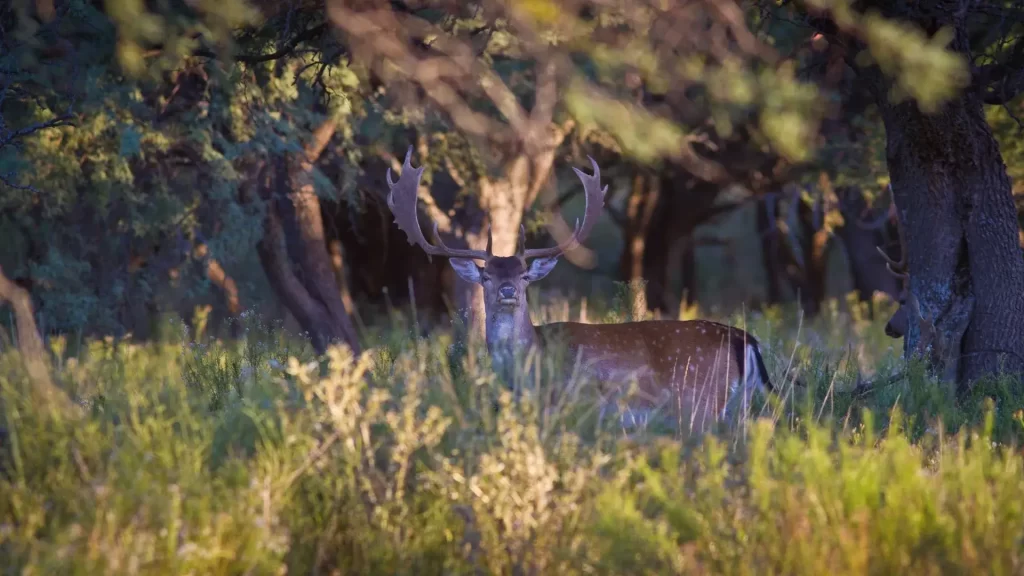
(224,349)
(204,159)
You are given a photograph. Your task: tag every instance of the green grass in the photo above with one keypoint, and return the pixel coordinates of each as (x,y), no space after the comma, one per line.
(253,457)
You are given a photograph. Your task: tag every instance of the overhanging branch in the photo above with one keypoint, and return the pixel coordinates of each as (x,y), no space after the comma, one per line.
(285,50)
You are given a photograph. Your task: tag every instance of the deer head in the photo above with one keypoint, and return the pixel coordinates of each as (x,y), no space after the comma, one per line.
(504,278)
(932,342)
(898,324)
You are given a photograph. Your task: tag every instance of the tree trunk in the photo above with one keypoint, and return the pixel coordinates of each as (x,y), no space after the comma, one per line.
(953,191)
(688,270)
(318,272)
(681,204)
(640,206)
(812,278)
(769,234)
(505,200)
(294,248)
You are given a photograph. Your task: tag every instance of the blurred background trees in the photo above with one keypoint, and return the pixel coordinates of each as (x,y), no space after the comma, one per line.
(167,158)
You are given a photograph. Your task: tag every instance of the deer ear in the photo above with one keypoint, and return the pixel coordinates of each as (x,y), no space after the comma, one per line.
(540,268)
(466,269)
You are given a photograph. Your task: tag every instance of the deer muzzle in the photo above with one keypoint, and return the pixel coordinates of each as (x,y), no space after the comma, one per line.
(896,327)
(507,295)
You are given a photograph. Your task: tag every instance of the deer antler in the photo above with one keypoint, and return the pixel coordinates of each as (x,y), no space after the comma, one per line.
(402,198)
(594,196)
(897,268)
(880,220)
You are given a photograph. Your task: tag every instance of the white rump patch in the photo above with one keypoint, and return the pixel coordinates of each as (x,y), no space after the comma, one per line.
(740,394)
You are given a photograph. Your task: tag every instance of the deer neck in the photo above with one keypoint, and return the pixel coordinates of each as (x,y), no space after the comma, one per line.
(509,332)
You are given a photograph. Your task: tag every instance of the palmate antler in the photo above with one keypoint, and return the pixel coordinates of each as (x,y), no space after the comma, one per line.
(897,268)
(594,197)
(402,197)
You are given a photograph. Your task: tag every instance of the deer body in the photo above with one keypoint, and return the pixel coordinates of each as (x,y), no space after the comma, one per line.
(699,369)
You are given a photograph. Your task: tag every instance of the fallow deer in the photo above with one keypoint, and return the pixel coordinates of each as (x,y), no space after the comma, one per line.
(909,308)
(696,367)
(896,327)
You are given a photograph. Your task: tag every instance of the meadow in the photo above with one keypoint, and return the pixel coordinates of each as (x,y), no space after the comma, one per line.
(196,455)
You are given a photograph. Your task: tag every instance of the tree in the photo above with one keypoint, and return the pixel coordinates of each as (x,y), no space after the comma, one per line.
(950,184)
(101,216)
(206,105)
(241,129)
(514,79)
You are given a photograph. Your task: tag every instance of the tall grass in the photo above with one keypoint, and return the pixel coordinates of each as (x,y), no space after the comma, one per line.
(255,457)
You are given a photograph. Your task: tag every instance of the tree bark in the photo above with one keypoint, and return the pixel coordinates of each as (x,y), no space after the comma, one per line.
(682,204)
(812,279)
(311,315)
(294,251)
(504,200)
(966,269)
(640,206)
(769,235)
(318,272)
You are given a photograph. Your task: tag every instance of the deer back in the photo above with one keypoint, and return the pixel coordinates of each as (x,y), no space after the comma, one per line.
(691,369)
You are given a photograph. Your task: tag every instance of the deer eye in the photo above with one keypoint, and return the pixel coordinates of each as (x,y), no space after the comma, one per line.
(485,278)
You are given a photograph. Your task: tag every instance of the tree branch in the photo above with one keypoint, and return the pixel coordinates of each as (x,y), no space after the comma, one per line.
(547,95)
(282,52)
(1002,80)
(30,344)
(430,73)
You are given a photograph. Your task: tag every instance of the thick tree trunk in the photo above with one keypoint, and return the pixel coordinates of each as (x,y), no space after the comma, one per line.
(311,315)
(967,273)
(506,200)
(294,252)
(682,203)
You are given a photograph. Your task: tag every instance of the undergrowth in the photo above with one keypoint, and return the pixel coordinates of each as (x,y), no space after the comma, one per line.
(255,457)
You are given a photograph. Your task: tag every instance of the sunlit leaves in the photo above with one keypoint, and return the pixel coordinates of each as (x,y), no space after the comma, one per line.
(542,11)
(640,133)
(923,68)
(1008,128)
(790,112)
(141,28)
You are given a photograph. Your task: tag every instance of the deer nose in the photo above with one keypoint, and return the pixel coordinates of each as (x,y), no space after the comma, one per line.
(507,291)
